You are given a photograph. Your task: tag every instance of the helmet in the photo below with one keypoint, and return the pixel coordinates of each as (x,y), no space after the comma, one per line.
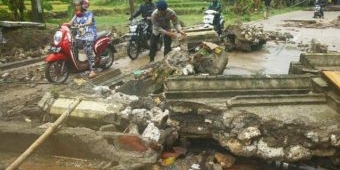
(161,5)
(84,4)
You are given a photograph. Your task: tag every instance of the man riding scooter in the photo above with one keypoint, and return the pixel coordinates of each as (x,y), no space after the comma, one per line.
(146,9)
(216,6)
(319,7)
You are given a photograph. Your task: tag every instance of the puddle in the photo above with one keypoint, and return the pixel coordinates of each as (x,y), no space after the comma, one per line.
(271,59)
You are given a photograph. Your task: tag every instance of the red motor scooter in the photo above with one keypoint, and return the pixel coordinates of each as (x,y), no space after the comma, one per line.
(65,57)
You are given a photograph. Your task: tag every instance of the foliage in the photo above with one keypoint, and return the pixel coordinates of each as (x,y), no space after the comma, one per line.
(242,7)
(5,15)
(114,13)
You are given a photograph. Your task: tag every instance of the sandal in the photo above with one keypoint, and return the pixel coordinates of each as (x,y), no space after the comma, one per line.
(92,75)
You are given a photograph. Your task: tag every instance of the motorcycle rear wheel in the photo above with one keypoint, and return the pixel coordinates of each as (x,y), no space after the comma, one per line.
(133,50)
(56,72)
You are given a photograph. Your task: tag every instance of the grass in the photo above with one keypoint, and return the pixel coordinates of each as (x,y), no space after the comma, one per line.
(112,13)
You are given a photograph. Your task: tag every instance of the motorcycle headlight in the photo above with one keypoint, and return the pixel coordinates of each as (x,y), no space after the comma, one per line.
(133,28)
(57,37)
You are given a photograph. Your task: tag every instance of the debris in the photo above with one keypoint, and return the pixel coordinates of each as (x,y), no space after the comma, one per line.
(244,37)
(224,160)
(151,132)
(210,59)
(317,47)
(168,161)
(194,167)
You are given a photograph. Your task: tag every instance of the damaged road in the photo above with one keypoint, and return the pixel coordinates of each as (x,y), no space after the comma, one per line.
(270,117)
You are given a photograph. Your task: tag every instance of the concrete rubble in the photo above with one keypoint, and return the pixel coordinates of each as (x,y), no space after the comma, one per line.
(287,118)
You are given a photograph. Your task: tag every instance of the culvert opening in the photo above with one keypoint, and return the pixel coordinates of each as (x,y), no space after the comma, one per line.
(206,153)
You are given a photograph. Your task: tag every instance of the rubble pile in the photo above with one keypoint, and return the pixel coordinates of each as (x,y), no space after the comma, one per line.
(23,43)
(147,137)
(278,36)
(210,59)
(336,22)
(308,24)
(317,47)
(30,74)
(314,47)
(244,37)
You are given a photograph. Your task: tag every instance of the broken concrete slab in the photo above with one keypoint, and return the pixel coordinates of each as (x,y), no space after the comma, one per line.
(281,127)
(179,87)
(124,150)
(316,62)
(293,99)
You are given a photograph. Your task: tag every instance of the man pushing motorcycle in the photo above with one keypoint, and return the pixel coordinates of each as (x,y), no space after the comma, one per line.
(321,5)
(87,33)
(145,9)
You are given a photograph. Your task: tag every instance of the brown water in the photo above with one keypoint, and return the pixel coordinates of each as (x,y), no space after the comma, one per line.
(271,59)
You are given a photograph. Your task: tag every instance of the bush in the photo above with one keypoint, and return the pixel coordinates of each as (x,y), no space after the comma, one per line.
(5,15)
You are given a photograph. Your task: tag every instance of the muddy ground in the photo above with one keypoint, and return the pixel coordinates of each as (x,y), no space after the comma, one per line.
(20,89)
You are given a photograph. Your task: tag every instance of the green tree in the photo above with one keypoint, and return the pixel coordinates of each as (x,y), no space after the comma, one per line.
(17,7)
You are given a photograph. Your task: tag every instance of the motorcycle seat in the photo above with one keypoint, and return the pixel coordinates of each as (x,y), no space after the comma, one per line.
(102,34)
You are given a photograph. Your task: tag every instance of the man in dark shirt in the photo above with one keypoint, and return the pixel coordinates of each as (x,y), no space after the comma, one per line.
(146,9)
(322,4)
(215,5)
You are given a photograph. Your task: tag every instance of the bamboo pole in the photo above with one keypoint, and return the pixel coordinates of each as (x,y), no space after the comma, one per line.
(49,131)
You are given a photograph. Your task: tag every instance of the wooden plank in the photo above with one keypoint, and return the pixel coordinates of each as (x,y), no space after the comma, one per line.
(333,77)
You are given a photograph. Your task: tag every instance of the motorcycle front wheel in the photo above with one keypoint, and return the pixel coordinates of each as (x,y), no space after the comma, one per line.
(133,50)
(108,57)
(56,71)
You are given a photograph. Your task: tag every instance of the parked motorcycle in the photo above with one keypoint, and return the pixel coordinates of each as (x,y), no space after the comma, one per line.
(317,12)
(140,35)
(208,21)
(65,57)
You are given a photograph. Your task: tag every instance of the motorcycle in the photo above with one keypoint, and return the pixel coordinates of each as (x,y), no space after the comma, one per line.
(140,35)
(208,21)
(317,11)
(65,57)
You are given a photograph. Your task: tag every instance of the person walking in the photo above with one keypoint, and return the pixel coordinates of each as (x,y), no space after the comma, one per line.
(266,10)
(160,19)
(87,33)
